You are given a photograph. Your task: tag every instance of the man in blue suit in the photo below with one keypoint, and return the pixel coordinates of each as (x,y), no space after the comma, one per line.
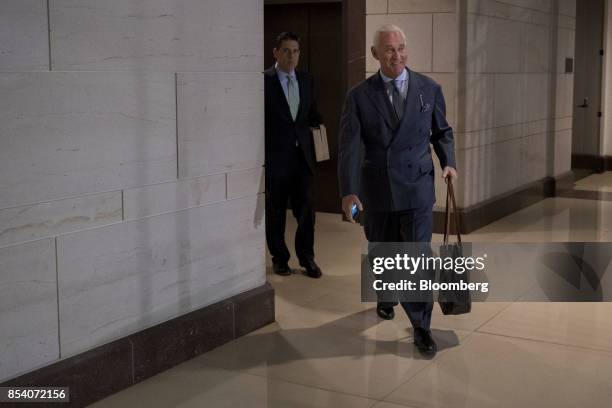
(290,159)
(384,159)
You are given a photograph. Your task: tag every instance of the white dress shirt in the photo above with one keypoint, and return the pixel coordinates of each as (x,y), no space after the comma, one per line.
(282,77)
(401,82)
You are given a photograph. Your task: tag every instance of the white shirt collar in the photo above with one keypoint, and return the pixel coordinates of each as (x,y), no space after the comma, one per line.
(401,77)
(282,74)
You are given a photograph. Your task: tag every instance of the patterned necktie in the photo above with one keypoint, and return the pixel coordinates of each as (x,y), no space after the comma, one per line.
(293,96)
(398,101)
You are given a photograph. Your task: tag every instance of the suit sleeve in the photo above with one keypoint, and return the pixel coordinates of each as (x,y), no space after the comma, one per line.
(349,148)
(442,137)
(314,117)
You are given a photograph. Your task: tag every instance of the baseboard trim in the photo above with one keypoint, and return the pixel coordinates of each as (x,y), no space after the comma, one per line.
(592,162)
(475,217)
(107,369)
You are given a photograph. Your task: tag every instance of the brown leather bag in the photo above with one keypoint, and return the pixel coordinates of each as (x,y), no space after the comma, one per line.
(453,302)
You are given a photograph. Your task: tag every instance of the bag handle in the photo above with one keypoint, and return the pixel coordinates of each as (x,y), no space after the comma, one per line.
(450,199)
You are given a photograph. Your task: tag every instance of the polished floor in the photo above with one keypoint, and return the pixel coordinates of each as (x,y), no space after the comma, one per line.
(327,349)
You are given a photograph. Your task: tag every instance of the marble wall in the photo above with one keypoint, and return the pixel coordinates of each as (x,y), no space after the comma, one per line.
(501,65)
(131,153)
(516,119)
(606,95)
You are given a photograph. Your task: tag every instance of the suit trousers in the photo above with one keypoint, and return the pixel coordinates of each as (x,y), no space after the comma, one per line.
(296,184)
(414,225)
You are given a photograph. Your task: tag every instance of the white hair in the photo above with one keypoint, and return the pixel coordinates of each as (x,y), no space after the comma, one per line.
(387,28)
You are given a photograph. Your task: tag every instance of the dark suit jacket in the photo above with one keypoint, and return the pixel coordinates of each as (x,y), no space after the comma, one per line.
(281,130)
(387,163)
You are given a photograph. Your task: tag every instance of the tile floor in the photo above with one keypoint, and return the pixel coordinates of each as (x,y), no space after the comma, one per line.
(327,349)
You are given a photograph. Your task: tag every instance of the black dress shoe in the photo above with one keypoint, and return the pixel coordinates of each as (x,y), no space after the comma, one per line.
(424,342)
(385,312)
(312,269)
(281,269)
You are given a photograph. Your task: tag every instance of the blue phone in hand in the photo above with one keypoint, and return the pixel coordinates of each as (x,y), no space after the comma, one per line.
(354,212)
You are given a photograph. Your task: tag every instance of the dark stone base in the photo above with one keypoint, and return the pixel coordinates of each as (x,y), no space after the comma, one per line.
(475,217)
(592,162)
(112,367)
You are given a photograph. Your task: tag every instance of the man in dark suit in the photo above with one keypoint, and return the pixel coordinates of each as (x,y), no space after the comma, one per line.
(290,112)
(384,159)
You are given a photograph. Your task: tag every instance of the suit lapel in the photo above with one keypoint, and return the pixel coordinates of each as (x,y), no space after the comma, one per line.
(413,98)
(380,99)
(302,88)
(412,105)
(278,93)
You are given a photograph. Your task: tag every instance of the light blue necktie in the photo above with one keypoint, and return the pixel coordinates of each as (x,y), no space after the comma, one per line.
(293,97)
(398,100)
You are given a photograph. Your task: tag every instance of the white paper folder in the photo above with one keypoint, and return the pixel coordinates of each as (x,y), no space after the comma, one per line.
(319,137)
